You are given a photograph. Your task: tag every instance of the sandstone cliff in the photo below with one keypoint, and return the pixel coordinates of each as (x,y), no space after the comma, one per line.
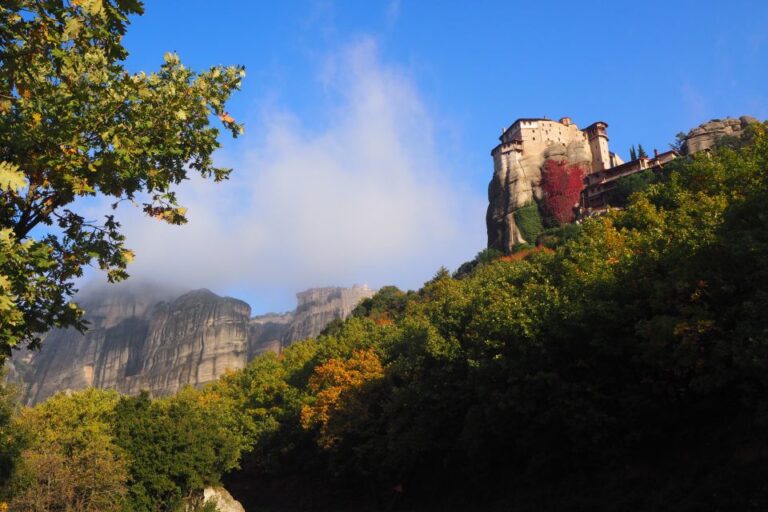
(707,135)
(140,338)
(516,183)
(319,306)
(267,333)
(136,341)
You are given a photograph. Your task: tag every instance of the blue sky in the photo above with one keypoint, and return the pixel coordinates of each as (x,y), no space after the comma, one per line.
(369,124)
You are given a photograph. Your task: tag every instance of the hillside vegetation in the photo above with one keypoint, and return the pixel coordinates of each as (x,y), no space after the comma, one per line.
(627,369)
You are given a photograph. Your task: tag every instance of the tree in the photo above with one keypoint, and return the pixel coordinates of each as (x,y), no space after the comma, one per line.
(71,461)
(562,184)
(10,444)
(632,153)
(680,139)
(628,185)
(641,152)
(177,446)
(75,123)
(339,405)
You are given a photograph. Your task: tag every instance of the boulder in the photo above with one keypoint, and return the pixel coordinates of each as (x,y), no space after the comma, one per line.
(224,501)
(707,135)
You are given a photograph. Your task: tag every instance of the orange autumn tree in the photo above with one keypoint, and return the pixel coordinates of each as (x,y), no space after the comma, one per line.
(337,387)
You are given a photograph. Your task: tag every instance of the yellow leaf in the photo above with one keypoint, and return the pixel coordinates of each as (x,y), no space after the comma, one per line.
(92,7)
(11,178)
(81,187)
(72,28)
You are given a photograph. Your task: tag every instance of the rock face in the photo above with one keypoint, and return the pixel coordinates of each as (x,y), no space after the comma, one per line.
(319,306)
(218,495)
(137,342)
(224,501)
(707,135)
(517,184)
(142,339)
(267,333)
(518,161)
(316,308)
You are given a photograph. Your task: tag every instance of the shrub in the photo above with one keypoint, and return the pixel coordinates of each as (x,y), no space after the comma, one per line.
(628,185)
(485,256)
(562,184)
(528,220)
(555,237)
(72,461)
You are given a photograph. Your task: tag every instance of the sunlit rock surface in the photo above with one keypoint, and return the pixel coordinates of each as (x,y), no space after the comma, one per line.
(224,501)
(707,135)
(517,164)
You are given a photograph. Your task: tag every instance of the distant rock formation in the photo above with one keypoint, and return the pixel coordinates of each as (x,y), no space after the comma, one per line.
(267,333)
(319,306)
(707,135)
(140,339)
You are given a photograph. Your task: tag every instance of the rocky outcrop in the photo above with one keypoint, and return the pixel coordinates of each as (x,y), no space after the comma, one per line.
(319,306)
(191,340)
(709,134)
(516,183)
(217,495)
(141,338)
(267,333)
(136,341)
(316,308)
(518,160)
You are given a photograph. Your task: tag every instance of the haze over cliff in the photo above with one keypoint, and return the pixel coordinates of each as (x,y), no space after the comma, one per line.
(147,338)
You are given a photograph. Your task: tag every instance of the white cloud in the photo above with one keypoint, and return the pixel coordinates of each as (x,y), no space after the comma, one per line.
(367,198)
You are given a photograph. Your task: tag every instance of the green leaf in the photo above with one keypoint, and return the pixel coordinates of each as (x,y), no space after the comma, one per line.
(134,6)
(92,7)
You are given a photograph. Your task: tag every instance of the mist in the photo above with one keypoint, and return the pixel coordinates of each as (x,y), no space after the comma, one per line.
(366,198)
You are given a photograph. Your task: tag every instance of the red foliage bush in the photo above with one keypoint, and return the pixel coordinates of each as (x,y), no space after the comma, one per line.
(562,184)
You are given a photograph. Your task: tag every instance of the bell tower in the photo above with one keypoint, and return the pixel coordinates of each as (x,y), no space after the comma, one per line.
(597,135)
